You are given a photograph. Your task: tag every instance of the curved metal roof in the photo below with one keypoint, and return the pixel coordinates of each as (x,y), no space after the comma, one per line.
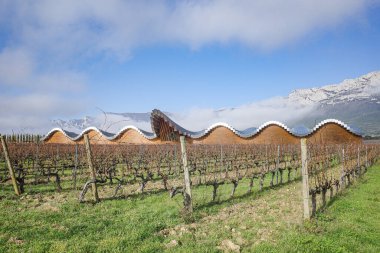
(109,136)
(159,120)
(69,135)
(148,135)
(300,131)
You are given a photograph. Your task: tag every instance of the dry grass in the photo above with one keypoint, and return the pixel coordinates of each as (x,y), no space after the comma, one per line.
(247,223)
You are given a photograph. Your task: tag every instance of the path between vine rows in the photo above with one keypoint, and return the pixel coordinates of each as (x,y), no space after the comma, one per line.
(244,225)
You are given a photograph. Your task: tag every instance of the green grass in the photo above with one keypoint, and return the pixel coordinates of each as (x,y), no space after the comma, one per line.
(351,223)
(269,221)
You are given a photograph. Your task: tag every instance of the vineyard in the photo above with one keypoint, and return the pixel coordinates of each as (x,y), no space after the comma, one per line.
(139,169)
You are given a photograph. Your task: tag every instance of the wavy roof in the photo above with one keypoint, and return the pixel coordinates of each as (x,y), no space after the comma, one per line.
(249,132)
(109,136)
(158,118)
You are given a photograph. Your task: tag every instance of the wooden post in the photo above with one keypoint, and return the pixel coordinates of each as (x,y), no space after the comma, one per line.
(37,163)
(305,179)
(359,167)
(187,193)
(75,167)
(277,163)
(9,165)
(91,167)
(342,178)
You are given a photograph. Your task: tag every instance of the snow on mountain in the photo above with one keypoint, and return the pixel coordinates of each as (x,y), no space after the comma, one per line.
(74,123)
(366,87)
(110,122)
(354,101)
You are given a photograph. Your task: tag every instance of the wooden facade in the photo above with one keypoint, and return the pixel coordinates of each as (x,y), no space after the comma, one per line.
(332,133)
(58,137)
(272,134)
(131,136)
(95,138)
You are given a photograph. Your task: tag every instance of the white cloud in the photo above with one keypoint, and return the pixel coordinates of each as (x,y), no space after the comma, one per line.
(32,104)
(30,97)
(19,69)
(245,116)
(296,107)
(113,123)
(32,112)
(117,26)
(251,115)
(15,67)
(44,41)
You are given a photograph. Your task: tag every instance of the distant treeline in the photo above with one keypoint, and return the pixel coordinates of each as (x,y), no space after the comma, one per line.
(22,137)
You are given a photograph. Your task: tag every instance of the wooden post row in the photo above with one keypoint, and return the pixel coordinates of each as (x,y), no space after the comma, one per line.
(9,165)
(91,167)
(305,179)
(187,191)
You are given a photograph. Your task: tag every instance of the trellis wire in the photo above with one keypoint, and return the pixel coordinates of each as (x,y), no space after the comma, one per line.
(134,169)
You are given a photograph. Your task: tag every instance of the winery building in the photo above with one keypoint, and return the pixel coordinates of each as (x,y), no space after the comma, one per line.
(165,130)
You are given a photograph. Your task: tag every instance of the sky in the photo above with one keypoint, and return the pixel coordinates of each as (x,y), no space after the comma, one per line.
(67,59)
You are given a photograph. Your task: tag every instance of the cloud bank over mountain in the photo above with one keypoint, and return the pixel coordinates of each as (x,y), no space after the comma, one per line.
(245,116)
(44,43)
(354,101)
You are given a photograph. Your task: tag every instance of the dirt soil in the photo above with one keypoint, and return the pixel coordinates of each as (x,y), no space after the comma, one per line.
(246,224)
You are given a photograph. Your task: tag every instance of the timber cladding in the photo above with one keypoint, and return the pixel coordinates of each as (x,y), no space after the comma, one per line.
(166,130)
(328,134)
(272,134)
(332,133)
(95,138)
(58,137)
(131,136)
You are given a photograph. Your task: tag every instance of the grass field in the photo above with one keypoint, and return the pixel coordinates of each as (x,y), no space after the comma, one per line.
(268,221)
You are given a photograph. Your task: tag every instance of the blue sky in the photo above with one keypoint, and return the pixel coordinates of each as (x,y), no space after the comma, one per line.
(176,78)
(64,59)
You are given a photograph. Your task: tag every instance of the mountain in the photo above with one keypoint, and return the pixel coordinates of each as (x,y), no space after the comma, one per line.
(109,121)
(353,101)
(365,88)
(75,123)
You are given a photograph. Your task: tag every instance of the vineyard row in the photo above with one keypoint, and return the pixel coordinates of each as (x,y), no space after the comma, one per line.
(161,167)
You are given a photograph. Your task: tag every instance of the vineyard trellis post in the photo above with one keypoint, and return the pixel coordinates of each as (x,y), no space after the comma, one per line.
(91,167)
(9,164)
(277,163)
(359,168)
(187,191)
(37,159)
(305,179)
(342,179)
(75,167)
